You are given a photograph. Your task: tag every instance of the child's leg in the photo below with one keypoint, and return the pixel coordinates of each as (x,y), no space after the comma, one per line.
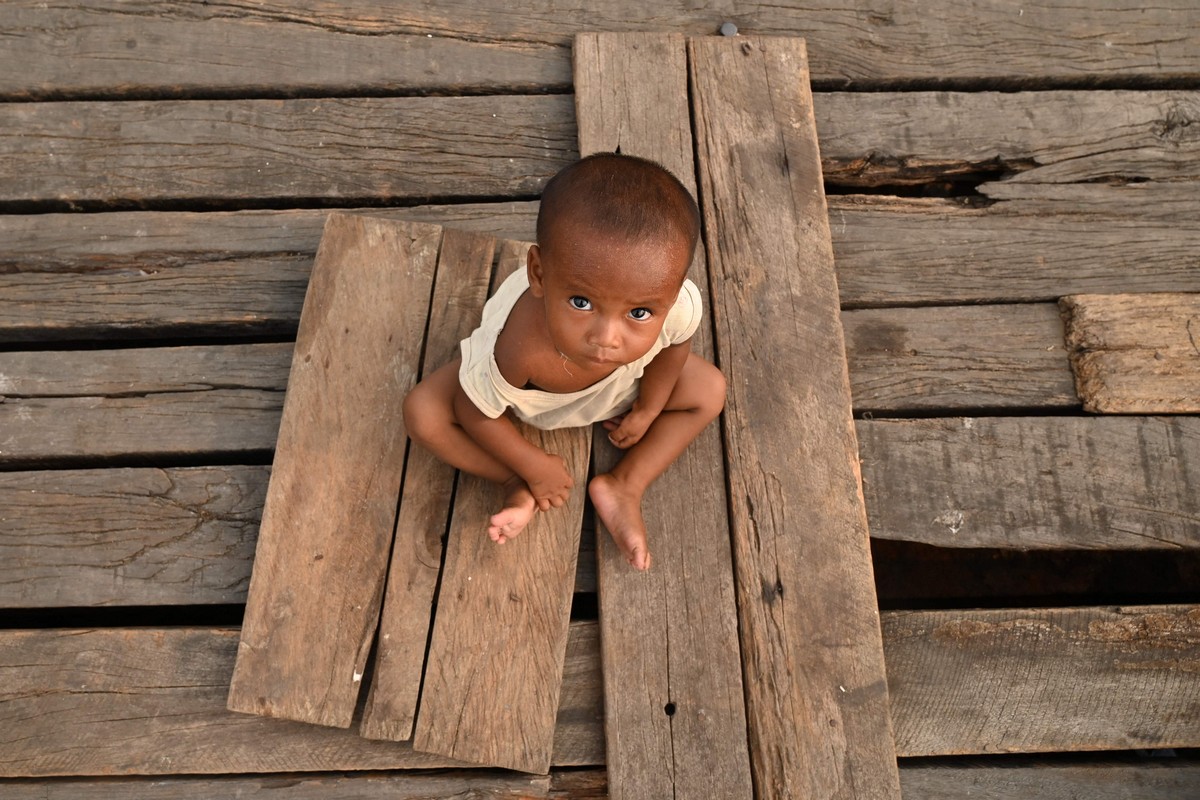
(696,400)
(430,421)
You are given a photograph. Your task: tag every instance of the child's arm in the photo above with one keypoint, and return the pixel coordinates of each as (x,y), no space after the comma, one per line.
(658,381)
(545,473)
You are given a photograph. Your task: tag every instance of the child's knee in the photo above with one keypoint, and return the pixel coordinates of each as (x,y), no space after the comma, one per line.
(715,388)
(422,418)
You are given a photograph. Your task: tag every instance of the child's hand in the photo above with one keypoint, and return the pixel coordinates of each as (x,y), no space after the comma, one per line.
(626,430)
(551,483)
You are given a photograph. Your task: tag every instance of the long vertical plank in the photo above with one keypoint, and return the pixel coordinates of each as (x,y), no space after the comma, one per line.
(675,717)
(464,270)
(494,672)
(816,690)
(327,522)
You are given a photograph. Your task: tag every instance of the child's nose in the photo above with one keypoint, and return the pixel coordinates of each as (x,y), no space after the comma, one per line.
(605,333)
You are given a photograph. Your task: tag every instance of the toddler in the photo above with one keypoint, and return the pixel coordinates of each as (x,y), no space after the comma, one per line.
(597,328)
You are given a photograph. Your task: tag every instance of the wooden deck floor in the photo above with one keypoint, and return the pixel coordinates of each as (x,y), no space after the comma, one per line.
(165,172)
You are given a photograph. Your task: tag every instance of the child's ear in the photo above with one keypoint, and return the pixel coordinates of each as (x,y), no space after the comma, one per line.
(533,265)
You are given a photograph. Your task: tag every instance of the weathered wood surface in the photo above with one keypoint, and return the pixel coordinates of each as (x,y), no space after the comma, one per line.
(1003,356)
(668,639)
(1135,353)
(817,698)
(151,701)
(1033,482)
(494,670)
(1118,678)
(418,148)
(186,400)
(142,47)
(463,273)
(1152,779)
(321,560)
(128,537)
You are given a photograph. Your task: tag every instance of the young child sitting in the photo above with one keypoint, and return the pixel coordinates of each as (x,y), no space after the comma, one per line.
(597,328)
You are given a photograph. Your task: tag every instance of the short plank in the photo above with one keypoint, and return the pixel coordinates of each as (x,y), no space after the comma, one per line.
(345,148)
(1004,356)
(993,357)
(667,642)
(495,666)
(151,701)
(507,146)
(1135,353)
(1030,680)
(1034,482)
(321,558)
(817,697)
(351,46)
(463,274)
(128,536)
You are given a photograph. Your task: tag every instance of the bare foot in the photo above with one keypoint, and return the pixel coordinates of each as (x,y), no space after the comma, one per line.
(621,512)
(519,508)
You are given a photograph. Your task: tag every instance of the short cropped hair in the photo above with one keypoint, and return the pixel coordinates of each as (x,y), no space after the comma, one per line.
(621,195)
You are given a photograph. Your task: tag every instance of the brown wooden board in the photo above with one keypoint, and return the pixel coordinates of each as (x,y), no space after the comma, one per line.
(151,701)
(494,671)
(463,274)
(144,47)
(327,522)
(1135,353)
(1165,778)
(138,537)
(1102,678)
(816,691)
(417,148)
(186,400)
(1034,482)
(668,636)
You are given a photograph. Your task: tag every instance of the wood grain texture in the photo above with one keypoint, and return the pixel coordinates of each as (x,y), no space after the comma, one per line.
(1135,353)
(494,670)
(187,400)
(321,559)
(151,701)
(353,45)
(416,148)
(463,274)
(668,639)
(128,536)
(1033,482)
(968,682)
(1161,779)
(1008,356)
(817,698)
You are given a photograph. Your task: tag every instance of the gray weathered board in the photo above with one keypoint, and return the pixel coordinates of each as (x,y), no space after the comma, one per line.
(817,697)
(463,273)
(494,671)
(1135,353)
(675,718)
(321,559)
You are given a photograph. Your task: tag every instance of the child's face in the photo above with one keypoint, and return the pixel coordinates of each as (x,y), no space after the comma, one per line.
(606,298)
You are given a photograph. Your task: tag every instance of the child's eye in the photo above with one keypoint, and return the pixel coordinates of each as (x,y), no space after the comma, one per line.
(641,314)
(580,303)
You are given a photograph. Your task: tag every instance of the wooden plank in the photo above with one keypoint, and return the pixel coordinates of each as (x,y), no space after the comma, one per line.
(1135,353)
(120,405)
(327,523)
(414,147)
(151,701)
(1033,482)
(354,46)
(128,536)
(668,642)
(1009,356)
(507,146)
(464,272)
(817,697)
(1102,678)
